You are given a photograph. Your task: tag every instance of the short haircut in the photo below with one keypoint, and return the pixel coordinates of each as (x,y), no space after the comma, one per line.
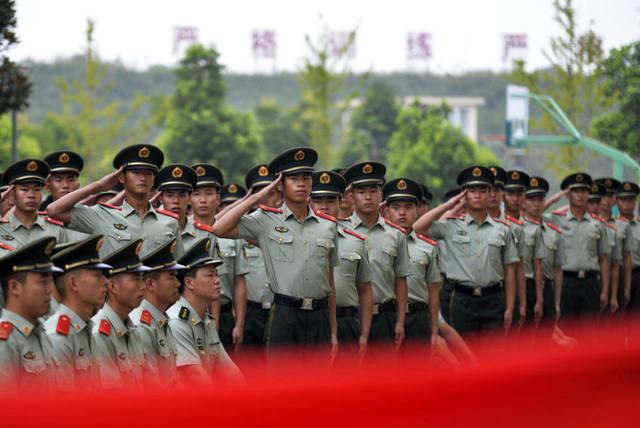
(21,277)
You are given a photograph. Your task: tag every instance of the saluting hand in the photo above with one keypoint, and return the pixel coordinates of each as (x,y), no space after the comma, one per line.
(453,202)
(109,181)
(264,194)
(6,193)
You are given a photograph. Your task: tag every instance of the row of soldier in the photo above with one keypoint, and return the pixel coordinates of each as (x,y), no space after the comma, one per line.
(328,258)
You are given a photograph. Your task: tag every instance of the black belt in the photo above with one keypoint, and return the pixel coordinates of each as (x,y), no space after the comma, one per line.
(346,311)
(547,283)
(477,291)
(635,271)
(306,303)
(226,307)
(259,305)
(379,308)
(416,307)
(581,274)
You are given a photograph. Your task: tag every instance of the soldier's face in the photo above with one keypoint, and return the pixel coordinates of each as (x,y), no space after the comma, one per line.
(175,201)
(91,286)
(592,207)
(137,181)
(296,187)
(167,285)
(127,289)
(626,206)
(578,197)
(534,206)
(403,213)
(33,296)
(206,283)
(477,198)
(607,202)
(27,196)
(326,204)
(367,198)
(495,196)
(513,200)
(61,184)
(205,201)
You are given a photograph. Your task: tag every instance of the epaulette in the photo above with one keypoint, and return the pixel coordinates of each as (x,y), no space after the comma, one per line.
(344,218)
(325,216)
(52,221)
(502,221)
(6,247)
(619,217)
(113,207)
(184,313)
(352,233)
(63,325)
(513,220)
(269,209)
(453,217)
(425,239)
(4,221)
(41,212)
(532,221)
(145,317)
(394,225)
(558,212)
(556,228)
(597,217)
(176,216)
(202,226)
(611,226)
(105,327)
(5,330)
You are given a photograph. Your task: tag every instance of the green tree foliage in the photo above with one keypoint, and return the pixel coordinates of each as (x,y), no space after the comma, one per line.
(28,145)
(15,87)
(281,130)
(620,72)
(200,127)
(427,148)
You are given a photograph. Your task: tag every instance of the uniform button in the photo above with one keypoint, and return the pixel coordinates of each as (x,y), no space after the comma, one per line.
(421,262)
(118,237)
(306,260)
(370,248)
(478,241)
(350,257)
(478,254)
(305,242)
(326,245)
(143,220)
(303,226)
(391,252)
(279,239)
(266,286)
(306,278)
(479,270)
(227,254)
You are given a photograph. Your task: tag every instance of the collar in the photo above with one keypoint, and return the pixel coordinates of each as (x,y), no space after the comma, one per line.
(286,211)
(194,318)
(468,219)
(119,327)
(15,223)
(586,216)
(21,324)
(157,315)
(128,209)
(189,229)
(357,221)
(76,322)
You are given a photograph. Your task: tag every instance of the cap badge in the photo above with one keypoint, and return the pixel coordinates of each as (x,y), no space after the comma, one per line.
(494,170)
(477,172)
(627,186)
(138,247)
(143,152)
(200,171)
(594,188)
(99,244)
(324,178)
(173,247)
(534,182)
(608,183)
(64,158)
(579,177)
(177,172)
(263,171)
(299,155)
(32,166)
(233,188)
(367,169)
(49,248)
(515,175)
(402,185)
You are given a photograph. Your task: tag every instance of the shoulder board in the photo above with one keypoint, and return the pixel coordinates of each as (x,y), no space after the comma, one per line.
(269,209)
(394,225)
(513,220)
(184,313)
(556,228)
(113,207)
(425,239)
(502,221)
(5,330)
(145,317)
(611,226)
(453,217)
(532,221)
(63,325)
(344,218)
(176,216)
(50,220)
(6,247)
(105,327)
(325,216)
(597,217)
(202,226)
(558,212)
(41,212)
(4,221)
(352,233)
(619,217)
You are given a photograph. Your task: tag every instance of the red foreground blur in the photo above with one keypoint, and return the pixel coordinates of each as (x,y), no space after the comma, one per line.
(522,382)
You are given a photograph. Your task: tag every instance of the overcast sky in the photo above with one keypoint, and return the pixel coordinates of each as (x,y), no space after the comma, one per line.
(465,34)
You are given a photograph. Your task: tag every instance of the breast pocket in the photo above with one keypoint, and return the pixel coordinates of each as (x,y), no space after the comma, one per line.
(159,240)
(119,236)
(82,359)
(349,264)
(592,242)
(281,247)
(495,248)
(419,263)
(323,248)
(461,245)
(568,238)
(33,364)
(388,256)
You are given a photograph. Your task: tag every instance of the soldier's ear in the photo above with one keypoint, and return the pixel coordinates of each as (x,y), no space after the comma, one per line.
(112,286)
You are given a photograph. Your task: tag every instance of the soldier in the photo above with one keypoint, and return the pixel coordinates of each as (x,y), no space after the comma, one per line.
(152,322)
(300,251)
(83,288)
(627,197)
(6,201)
(25,224)
(346,201)
(64,169)
(120,356)
(446,289)
(136,165)
(481,256)
(26,353)
(403,196)
(387,247)
(352,278)
(425,202)
(201,356)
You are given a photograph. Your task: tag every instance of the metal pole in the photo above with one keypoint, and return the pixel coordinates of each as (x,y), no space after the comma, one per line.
(14,135)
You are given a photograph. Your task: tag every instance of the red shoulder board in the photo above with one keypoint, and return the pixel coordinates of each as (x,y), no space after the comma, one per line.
(425,239)
(203,226)
(63,325)
(5,330)
(6,247)
(176,216)
(532,221)
(105,327)
(597,217)
(344,218)
(4,221)
(325,216)
(513,220)
(50,220)
(113,207)
(611,226)
(271,210)
(556,228)
(394,225)
(502,221)
(41,212)
(619,217)
(145,317)
(558,212)
(352,233)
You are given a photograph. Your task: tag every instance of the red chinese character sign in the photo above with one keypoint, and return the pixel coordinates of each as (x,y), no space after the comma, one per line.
(514,47)
(264,47)
(341,44)
(418,46)
(184,34)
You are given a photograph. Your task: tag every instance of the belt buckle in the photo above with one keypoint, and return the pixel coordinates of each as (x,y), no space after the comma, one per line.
(581,274)
(266,305)
(307,304)
(376,309)
(408,311)
(477,291)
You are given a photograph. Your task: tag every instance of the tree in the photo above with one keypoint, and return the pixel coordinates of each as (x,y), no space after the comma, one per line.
(620,72)
(428,149)
(281,130)
(15,87)
(28,146)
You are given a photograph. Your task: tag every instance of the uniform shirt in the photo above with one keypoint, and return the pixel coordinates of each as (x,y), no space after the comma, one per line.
(74,347)
(53,308)
(476,253)
(194,231)
(229,269)
(17,235)
(157,341)
(251,260)
(388,255)
(27,360)
(297,254)
(517,230)
(623,238)
(556,255)
(424,266)
(584,240)
(121,225)
(534,248)
(119,353)
(634,225)
(196,338)
(354,268)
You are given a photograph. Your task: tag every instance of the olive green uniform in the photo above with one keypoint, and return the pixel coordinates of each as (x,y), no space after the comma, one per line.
(634,302)
(556,256)
(227,271)
(194,231)
(623,243)
(534,249)
(16,234)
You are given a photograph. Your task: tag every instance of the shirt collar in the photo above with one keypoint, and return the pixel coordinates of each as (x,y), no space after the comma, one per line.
(76,322)
(194,318)
(357,221)
(189,228)
(127,209)
(286,211)
(157,316)
(468,219)
(21,324)
(15,223)
(118,325)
